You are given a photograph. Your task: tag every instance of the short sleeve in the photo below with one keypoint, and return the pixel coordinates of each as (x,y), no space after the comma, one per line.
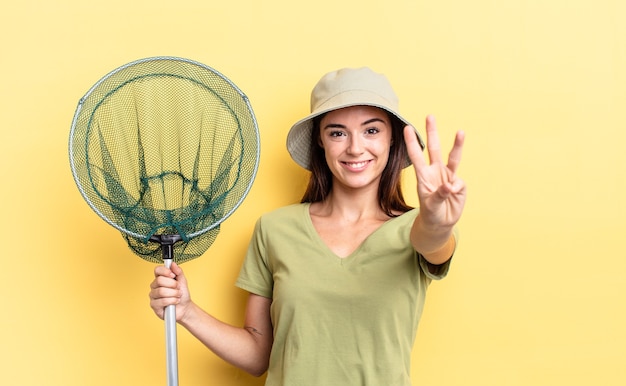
(255,275)
(441,271)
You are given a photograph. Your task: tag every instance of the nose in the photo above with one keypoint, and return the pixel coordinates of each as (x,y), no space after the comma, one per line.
(355,145)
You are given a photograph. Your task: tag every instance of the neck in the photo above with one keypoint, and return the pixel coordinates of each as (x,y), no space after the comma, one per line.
(352,204)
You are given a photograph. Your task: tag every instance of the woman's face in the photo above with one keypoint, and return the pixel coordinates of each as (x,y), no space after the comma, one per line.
(356,142)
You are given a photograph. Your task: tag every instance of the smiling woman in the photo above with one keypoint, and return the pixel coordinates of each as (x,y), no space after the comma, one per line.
(337,283)
(304,138)
(356,142)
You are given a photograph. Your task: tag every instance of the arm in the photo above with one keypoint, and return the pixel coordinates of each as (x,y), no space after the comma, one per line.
(437,247)
(441,194)
(247,348)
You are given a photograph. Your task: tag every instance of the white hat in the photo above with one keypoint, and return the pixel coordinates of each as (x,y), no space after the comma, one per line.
(339,89)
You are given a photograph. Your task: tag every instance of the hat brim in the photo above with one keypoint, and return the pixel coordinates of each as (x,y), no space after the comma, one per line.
(299,136)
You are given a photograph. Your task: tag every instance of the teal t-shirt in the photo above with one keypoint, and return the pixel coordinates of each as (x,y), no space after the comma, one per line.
(337,321)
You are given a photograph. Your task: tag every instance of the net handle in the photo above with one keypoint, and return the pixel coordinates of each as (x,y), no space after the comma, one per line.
(171,347)
(170,341)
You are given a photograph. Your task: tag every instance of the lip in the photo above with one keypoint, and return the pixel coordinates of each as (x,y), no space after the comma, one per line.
(356,166)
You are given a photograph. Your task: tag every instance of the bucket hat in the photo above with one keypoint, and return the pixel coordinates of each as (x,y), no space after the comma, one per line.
(338,89)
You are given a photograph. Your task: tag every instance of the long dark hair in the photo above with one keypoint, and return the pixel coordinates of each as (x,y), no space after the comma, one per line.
(390,197)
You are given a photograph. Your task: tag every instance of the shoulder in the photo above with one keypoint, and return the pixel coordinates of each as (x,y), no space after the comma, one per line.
(284,216)
(285,212)
(283,225)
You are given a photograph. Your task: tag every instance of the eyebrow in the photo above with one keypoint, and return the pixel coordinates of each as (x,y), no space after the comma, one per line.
(340,126)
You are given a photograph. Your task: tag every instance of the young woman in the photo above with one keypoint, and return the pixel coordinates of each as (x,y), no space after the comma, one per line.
(337,283)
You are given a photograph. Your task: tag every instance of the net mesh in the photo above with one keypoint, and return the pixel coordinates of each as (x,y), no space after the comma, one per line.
(164,146)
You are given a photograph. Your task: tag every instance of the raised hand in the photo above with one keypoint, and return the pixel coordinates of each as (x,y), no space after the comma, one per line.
(441,192)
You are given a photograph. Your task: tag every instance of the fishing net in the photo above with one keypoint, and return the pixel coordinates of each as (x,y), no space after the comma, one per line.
(164,149)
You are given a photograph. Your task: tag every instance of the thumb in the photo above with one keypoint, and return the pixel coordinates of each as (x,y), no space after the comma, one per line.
(177,270)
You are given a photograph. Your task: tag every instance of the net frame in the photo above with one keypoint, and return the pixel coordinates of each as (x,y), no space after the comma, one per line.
(99,83)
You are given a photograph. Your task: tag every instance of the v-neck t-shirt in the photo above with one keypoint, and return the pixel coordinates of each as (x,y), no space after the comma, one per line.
(337,321)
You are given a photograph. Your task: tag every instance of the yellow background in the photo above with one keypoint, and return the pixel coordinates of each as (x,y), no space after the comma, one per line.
(536,295)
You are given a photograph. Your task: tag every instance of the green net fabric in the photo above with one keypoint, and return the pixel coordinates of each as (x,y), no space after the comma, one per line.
(164,146)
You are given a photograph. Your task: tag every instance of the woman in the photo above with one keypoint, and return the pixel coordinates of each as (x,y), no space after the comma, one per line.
(337,283)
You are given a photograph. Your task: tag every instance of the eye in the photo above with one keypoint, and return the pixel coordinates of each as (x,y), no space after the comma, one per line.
(336,133)
(372,130)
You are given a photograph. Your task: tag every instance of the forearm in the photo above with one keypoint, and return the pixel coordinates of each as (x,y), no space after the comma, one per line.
(436,244)
(245,348)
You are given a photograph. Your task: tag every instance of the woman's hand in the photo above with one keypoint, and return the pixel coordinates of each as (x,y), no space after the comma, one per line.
(441,192)
(169,287)
(247,348)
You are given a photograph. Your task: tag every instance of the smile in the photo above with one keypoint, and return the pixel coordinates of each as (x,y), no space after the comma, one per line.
(356,165)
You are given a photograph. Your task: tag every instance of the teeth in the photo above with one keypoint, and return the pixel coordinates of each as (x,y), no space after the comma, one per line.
(356,164)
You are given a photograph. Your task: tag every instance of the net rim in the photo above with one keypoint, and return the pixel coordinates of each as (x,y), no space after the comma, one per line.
(202,66)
